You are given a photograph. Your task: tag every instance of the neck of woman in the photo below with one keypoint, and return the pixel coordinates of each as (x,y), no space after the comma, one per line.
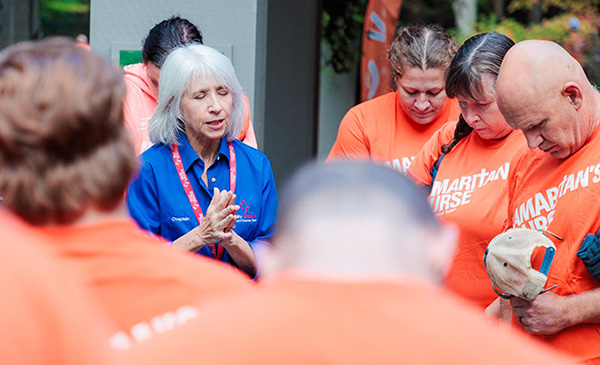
(207,149)
(506,133)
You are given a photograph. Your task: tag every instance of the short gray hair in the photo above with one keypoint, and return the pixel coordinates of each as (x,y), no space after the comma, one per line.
(346,205)
(349,188)
(181,68)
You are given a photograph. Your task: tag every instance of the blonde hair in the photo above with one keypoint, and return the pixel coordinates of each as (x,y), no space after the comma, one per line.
(423,47)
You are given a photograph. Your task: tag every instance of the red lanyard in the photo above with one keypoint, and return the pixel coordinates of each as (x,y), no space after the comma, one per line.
(215,249)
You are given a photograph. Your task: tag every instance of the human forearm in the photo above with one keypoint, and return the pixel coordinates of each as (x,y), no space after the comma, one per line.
(500,310)
(241,253)
(550,313)
(191,241)
(584,307)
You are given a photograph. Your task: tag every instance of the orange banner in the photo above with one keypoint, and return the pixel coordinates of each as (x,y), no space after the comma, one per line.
(381,19)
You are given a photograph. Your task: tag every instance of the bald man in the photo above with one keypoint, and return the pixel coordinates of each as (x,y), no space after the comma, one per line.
(355,254)
(544,92)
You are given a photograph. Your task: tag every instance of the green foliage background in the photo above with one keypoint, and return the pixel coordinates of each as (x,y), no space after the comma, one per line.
(65,17)
(583,43)
(342,24)
(341,27)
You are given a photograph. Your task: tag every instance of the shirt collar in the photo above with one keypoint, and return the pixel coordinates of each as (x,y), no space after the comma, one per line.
(189,156)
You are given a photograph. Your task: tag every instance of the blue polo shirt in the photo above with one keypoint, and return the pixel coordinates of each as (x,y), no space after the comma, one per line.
(157,200)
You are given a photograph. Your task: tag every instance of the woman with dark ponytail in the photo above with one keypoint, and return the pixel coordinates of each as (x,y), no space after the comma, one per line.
(142,79)
(471,159)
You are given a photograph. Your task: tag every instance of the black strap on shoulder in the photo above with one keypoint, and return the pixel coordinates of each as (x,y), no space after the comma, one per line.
(436,167)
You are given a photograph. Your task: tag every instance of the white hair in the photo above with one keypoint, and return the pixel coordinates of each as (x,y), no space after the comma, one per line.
(179,72)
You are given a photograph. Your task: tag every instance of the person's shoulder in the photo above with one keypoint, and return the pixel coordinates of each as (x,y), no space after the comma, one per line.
(526,164)
(156,153)
(174,261)
(249,152)
(444,135)
(384,101)
(44,302)
(141,249)
(516,144)
(373,112)
(188,268)
(154,159)
(137,80)
(594,139)
(448,127)
(381,99)
(134,70)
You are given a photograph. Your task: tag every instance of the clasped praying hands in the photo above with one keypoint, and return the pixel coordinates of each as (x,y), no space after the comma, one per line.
(217,225)
(219,219)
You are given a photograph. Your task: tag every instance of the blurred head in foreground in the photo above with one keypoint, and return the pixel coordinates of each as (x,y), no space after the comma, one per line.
(63,147)
(358,220)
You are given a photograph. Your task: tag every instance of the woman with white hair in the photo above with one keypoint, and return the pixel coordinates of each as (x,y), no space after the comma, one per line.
(199,187)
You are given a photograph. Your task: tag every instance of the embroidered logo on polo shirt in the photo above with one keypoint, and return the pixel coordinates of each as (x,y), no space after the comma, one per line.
(245,213)
(180,219)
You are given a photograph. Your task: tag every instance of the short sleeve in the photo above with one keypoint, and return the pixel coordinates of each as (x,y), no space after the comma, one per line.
(269,202)
(142,200)
(420,169)
(131,111)
(352,142)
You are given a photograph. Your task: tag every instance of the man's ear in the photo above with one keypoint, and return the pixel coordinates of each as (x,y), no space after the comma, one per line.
(573,92)
(267,259)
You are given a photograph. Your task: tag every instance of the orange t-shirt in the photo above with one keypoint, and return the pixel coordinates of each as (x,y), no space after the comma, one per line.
(301,321)
(470,191)
(46,317)
(379,130)
(561,196)
(141,99)
(144,285)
